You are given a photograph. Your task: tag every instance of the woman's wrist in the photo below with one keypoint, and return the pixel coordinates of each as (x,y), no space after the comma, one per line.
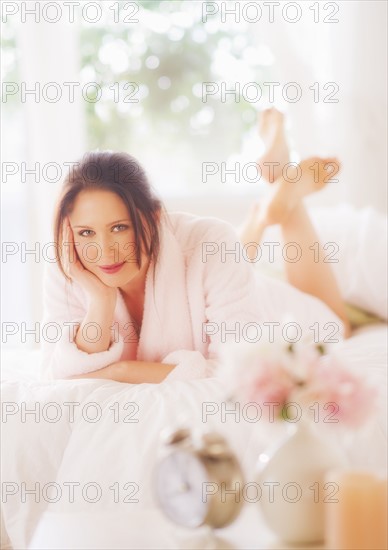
(99,319)
(103,301)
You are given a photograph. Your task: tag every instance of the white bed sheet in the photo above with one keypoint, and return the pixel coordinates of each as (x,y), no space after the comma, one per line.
(109,452)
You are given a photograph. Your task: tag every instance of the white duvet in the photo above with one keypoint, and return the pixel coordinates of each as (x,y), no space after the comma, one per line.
(110,457)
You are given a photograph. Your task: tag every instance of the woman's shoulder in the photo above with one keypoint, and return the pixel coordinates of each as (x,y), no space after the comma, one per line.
(191,230)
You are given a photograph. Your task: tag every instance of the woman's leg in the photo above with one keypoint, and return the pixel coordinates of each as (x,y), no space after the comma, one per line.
(310,273)
(271,163)
(284,206)
(273,134)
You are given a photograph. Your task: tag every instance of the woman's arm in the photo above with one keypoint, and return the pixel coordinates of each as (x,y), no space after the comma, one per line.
(100,314)
(131,372)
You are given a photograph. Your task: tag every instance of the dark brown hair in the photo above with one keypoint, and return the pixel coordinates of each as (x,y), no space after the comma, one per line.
(122,174)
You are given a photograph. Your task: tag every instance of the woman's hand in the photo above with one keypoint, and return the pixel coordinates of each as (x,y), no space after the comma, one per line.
(91,284)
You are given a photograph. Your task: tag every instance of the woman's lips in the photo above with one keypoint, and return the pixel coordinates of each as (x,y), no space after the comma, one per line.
(112,268)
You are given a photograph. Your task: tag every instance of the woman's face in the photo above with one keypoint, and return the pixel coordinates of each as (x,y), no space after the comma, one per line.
(104,236)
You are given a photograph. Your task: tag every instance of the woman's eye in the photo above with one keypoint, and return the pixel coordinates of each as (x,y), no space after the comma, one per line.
(82,233)
(122,226)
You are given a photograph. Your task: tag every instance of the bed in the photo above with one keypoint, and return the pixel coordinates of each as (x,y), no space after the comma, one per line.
(114,439)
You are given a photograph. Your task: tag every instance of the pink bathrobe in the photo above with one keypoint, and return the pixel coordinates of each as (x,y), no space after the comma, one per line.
(201,291)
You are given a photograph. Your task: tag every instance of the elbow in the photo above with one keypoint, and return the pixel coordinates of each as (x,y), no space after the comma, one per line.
(347,328)
(347,331)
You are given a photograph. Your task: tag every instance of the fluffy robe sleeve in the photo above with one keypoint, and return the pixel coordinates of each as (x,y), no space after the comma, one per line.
(63,311)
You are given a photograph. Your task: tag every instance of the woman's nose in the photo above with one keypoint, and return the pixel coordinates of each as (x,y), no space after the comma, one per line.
(108,249)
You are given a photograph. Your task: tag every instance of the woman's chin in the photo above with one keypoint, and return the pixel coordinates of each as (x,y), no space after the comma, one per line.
(112,281)
(112,285)
(108,281)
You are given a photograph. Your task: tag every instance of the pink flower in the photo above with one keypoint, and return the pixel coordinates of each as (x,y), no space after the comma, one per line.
(270,384)
(353,400)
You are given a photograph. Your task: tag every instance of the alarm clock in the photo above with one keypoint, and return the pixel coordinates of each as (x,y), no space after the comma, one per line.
(198,482)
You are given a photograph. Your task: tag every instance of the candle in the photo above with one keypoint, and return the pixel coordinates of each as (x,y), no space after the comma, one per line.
(355,511)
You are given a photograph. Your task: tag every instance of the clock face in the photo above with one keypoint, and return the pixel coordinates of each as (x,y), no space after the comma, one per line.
(180,487)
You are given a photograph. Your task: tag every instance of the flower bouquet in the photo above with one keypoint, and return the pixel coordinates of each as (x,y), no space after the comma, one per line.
(294,378)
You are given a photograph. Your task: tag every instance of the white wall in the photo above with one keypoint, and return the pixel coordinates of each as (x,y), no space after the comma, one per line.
(360,62)
(55,131)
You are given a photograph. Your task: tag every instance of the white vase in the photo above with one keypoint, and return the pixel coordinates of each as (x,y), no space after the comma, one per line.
(293,486)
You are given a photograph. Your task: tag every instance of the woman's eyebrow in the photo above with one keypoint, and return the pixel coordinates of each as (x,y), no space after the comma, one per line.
(107,225)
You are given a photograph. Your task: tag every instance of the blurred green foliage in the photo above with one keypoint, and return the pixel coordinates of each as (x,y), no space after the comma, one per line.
(170,53)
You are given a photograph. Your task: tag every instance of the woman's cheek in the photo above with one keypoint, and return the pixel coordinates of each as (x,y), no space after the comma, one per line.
(88,254)
(128,252)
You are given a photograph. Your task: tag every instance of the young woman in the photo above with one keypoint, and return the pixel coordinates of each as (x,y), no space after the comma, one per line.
(140,295)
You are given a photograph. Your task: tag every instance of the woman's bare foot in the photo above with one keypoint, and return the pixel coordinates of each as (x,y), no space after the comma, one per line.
(302,179)
(271,130)
(285,194)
